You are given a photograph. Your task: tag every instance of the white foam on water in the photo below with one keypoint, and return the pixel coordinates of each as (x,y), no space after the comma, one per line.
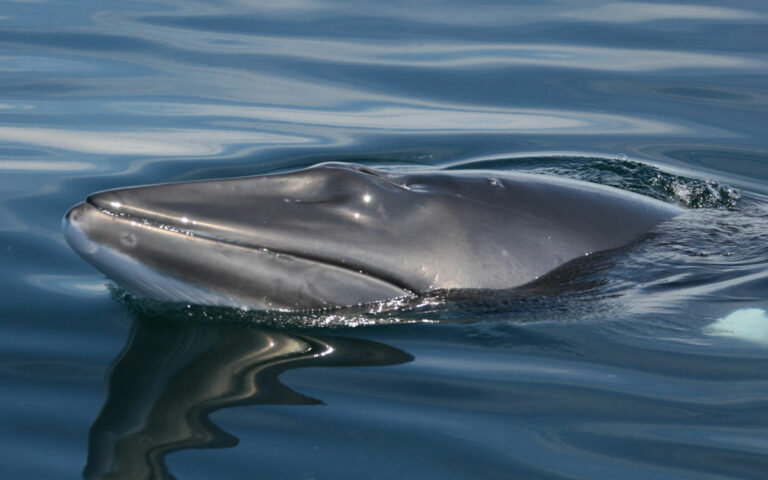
(748,324)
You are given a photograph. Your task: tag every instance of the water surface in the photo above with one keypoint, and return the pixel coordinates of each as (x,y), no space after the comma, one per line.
(650,362)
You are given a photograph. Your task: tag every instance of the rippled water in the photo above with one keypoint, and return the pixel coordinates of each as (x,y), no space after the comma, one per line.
(650,362)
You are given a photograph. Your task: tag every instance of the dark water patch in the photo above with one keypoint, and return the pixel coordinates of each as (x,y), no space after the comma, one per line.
(24,88)
(706,94)
(496,24)
(658,449)
(75,40)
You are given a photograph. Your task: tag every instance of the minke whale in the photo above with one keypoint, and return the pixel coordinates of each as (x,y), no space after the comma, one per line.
(340,234)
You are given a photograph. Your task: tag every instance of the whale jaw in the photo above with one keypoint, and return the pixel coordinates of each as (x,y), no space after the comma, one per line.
(171,265)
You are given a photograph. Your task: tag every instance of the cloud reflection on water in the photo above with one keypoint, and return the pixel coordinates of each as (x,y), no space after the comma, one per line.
(486,13)
(161,142)
(425,118)
(630,12)
(387,118)
(447,54)
(43,166)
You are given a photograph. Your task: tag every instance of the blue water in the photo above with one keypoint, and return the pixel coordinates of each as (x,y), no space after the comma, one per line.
(650,362)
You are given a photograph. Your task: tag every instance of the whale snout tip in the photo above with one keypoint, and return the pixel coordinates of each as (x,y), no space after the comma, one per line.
(73,225)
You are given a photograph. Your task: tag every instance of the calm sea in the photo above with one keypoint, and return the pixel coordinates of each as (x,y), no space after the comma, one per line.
(651,364)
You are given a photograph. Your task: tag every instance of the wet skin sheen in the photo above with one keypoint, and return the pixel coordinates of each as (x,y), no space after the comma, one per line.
(342,234)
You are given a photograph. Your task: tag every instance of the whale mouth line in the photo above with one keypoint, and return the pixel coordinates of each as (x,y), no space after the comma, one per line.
(174,228)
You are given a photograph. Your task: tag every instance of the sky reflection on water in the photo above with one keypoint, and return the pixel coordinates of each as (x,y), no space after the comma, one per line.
(635,375)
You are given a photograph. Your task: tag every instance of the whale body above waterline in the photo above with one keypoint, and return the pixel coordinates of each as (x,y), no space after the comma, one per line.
(342,234)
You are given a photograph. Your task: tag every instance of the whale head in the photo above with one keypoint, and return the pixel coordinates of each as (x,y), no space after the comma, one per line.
(342,234)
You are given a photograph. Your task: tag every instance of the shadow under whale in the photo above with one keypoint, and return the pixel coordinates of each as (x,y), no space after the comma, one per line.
(170,377)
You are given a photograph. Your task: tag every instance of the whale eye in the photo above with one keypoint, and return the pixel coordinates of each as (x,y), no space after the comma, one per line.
(128,239)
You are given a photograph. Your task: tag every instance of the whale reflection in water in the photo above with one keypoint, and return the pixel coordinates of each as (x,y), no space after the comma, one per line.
(170,377)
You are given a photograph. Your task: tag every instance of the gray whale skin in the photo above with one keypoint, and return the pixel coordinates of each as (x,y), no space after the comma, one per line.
(342,234)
